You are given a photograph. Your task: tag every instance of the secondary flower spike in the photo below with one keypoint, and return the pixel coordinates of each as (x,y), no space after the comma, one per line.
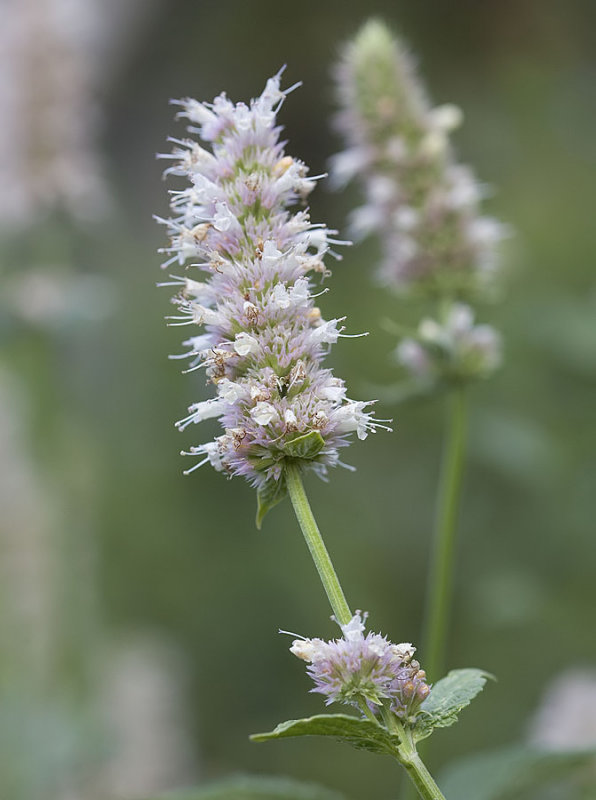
(262,339)
(369,669)
(451,351)
(424,206)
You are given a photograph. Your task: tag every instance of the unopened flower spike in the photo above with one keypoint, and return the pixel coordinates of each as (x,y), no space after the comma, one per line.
(261,339)
(424,206)
(365,671)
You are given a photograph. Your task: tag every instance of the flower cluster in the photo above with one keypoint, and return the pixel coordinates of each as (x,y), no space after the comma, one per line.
(369,669)
(263,339)
(424,205)
(452,351)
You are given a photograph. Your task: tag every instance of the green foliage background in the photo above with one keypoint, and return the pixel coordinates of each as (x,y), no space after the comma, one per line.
(180,555)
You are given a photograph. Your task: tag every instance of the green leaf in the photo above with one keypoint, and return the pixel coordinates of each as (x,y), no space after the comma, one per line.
(307,445)
(509,773)
(268,497)
(361,733)
(447,698)
(247,787)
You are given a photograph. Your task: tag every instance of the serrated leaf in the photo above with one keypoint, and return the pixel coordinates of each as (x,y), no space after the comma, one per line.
(361,733)
(447,698)
(268,497)
(308,445)
(508,773)
(255,788)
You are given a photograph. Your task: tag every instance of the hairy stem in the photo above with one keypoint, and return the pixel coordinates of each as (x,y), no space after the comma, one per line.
(315,543)
(440,577)
(421,779)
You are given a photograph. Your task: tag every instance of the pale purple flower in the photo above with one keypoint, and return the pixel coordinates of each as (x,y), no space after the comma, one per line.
(359,668)
(423,205)
(263,339)
(453,349)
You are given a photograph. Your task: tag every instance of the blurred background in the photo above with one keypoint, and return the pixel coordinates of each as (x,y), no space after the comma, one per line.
(139,609)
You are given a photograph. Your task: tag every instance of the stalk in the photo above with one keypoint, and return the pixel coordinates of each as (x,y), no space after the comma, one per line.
(440,579)
(315,543)
(421,778)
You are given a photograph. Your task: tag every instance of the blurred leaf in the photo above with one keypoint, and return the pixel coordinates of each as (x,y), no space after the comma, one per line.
(268,497)
(507,773)
(255,788)
(448,697)
(360,733)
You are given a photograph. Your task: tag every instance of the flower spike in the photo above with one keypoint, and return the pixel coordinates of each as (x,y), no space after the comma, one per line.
(365,671)
(263,339)
(423,204)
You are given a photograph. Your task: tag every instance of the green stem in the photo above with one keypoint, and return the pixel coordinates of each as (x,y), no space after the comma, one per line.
(407,754)
(366,711)
(440,577)
(315,543)
(421,778)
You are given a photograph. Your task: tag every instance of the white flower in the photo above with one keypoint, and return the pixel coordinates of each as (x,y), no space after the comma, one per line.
(230,391)
(263,413)
(350,417)
(299,293)
(201,315)
(244,344)
(327,332)
(305,649)
(290,418)
(280,296)
(334,391)
(223,219)
(206,409)
(404,650)
(354,629)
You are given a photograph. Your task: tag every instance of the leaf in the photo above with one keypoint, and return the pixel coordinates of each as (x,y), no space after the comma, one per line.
(507,773)
(248,787)
(268,497)
(447,698)
(307,445)
(361,733)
